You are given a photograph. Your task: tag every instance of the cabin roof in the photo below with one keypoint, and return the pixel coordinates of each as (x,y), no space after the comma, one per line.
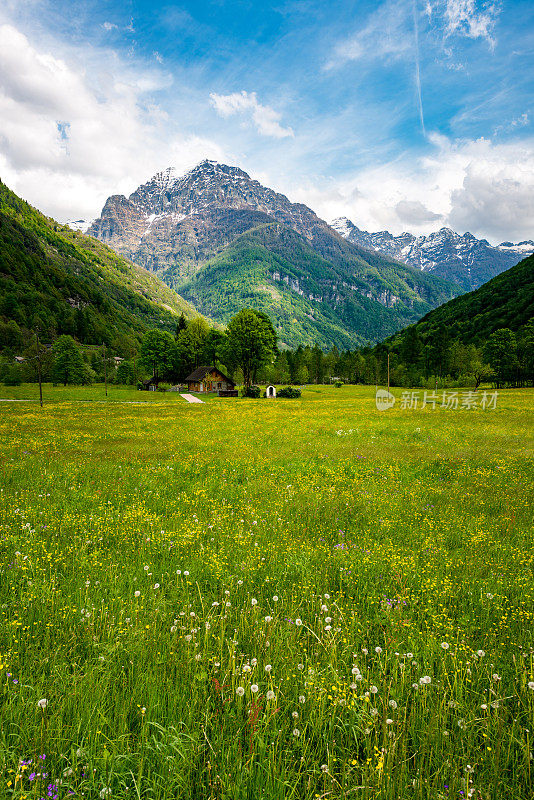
(200,373)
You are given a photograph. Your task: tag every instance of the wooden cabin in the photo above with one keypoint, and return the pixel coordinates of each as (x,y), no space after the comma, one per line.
(209,379)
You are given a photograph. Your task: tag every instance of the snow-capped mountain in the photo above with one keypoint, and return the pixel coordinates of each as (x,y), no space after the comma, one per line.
(223,241)
(465,260)
(152,213)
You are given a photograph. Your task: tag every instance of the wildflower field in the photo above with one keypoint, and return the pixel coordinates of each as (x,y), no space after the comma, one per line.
(265,599)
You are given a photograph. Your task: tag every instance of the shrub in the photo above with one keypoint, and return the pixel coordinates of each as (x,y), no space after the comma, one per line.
(289,392)
(13,377)
(252,391)
(338,384)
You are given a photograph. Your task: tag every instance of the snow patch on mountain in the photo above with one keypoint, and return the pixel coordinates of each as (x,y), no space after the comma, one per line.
(463,259)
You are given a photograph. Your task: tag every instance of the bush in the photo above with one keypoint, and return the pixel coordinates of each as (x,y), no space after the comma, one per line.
(12,377)
(289,392)
(164,387)
(252,391)
(338,384)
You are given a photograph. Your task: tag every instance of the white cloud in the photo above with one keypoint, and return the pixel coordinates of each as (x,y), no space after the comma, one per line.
(518,122)
(66,143)
(388,32)
(497,192)
(386,35)
(473,185)
(75,129)
(472,19)
(414,212)
(265,118)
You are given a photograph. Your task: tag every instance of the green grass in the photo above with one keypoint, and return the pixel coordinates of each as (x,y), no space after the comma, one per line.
(412,528)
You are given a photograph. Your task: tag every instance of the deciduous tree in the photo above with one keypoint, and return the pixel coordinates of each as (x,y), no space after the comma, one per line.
(250,343)
(68,365)
(158,353)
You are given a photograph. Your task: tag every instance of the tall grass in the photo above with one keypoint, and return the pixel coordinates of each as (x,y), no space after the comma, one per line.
(265,599)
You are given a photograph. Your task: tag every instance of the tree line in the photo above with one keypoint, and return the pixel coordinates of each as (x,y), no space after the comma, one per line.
(247,350)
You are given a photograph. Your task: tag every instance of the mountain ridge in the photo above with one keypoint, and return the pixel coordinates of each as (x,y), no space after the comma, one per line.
(175,225)
(506,301)
(61,281)
(464,259)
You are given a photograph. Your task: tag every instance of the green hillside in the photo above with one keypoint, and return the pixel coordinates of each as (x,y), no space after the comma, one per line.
(329,299)
(60,281)
(506,301)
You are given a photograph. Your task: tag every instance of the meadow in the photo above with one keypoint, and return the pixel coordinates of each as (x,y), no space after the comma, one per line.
(265,599)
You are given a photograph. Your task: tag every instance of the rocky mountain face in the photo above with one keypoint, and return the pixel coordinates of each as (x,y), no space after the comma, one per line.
(188,218)
(187,228)
(465,260)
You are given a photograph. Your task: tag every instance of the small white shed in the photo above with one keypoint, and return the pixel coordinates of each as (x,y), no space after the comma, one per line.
(270,391)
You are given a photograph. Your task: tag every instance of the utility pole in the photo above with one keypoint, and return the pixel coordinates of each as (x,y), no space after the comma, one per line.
(39,371)
(105,368)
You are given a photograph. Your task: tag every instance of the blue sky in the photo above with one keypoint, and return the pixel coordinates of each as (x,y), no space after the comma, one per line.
(403,114)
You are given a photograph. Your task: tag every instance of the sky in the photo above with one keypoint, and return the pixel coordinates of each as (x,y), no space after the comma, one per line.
(405,115)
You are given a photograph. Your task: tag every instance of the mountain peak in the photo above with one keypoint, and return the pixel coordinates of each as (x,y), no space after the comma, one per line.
(463,259)
(209,167)
(165,178)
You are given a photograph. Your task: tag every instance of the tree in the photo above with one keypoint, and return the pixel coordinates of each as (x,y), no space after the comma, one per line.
(480,371)
(212,347)
(281,369)
(526,349)
(125,346)
(250,342)
(501,353)
(181,325)
(68,365)
(331,362)
(124,373)
(190,346)
(317,364)
(12,376)
(158,353)
(303,374)
(411,347)
(437,351)
(10,336)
